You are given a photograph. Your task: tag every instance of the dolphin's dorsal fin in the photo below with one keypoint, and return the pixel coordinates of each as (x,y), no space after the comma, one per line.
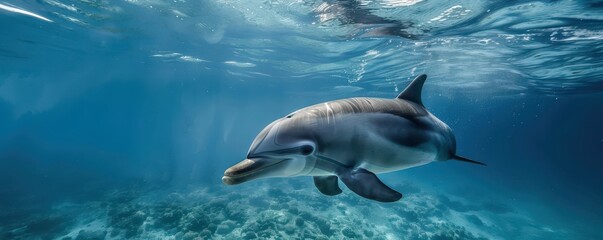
(413,91)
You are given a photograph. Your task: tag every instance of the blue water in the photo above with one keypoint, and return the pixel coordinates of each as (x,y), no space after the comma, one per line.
(118,118)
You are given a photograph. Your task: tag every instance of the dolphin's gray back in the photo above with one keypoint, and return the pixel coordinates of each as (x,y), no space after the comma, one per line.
(334,109)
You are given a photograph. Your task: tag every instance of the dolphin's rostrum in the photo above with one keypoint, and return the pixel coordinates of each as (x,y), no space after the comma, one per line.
(351,140)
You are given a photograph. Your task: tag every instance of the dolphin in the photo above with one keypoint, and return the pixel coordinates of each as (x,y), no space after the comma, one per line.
(350,140)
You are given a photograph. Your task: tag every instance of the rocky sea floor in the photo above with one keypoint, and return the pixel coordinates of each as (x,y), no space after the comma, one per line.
(274,209)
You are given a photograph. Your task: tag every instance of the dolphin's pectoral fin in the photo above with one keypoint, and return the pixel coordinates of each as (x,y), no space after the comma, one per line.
(366,184)
(327,185)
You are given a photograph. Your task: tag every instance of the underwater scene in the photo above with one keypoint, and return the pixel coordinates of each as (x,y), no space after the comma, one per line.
(301,119)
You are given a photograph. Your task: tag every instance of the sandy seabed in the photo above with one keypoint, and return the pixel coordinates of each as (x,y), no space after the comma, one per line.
(274,209)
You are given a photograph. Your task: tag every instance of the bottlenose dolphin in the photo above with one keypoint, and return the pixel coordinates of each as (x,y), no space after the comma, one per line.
(352,140)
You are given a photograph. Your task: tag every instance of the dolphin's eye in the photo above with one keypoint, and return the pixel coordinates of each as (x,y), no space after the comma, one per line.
(306,150)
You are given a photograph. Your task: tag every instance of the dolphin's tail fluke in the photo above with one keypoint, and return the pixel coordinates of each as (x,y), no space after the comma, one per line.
(459,158)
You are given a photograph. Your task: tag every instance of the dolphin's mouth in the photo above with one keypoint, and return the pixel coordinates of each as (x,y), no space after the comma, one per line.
(248,169)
